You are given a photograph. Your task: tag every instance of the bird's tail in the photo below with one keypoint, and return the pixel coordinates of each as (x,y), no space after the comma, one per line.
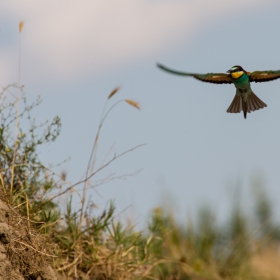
(236,104)
(251,104)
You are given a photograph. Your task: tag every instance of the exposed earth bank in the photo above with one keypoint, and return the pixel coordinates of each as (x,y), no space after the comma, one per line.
(22,252)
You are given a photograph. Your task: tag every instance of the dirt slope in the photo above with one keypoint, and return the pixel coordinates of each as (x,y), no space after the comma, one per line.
(22,252)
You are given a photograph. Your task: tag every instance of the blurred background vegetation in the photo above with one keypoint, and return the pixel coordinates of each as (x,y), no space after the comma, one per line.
(81,242)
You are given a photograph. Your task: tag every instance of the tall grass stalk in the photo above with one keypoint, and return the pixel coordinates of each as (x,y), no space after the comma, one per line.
(18,105)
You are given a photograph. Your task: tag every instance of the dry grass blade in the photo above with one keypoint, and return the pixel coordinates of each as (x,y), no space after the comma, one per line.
(21,26)
(40,252)
(70,264)
(132,103)
(113,92)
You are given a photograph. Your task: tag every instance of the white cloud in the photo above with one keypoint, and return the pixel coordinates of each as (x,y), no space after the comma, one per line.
(65,39)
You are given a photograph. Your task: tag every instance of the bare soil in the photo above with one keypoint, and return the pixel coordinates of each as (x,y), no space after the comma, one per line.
(22,251)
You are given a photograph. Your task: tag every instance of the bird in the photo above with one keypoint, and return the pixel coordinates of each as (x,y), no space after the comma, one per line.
(245,99)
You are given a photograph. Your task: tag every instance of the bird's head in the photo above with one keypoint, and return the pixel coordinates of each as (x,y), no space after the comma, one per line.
(236,71)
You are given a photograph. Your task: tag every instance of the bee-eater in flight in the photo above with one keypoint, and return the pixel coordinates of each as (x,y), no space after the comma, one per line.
(245,100)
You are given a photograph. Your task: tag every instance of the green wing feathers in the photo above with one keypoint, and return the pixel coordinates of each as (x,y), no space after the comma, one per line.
(215,78)
(264,76)
(175,71)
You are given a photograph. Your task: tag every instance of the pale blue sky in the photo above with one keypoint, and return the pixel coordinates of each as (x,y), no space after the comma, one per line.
(74,54)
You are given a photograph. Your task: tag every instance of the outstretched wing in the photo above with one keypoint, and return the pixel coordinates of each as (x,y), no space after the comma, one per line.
(264,76)
(215,78)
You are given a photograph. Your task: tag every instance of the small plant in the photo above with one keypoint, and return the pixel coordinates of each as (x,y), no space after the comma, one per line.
(23,176)
(83,242)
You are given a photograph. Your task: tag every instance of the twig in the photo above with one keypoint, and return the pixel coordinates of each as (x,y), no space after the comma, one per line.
(70,264)
(98,170)
(29,246)
(108,163)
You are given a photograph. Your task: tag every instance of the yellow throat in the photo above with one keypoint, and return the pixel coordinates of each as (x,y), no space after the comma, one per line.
(236,75)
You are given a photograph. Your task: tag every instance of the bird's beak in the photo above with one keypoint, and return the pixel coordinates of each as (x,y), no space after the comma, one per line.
(228,71)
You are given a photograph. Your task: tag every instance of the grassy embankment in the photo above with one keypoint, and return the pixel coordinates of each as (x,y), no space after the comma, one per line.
(76,241)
